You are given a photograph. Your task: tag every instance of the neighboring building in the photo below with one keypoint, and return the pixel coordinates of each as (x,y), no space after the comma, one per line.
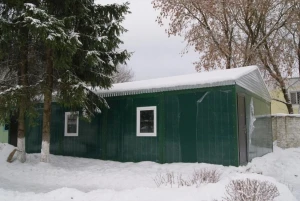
(293,85)
(3,133)
(219,117)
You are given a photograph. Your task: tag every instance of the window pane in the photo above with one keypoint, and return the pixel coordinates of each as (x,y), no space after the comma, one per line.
(298,97)
(72,124)
(293,98)
(147,121)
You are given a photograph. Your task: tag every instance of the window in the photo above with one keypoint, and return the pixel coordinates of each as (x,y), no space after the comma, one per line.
(295,97)
(146,121)
(71,123)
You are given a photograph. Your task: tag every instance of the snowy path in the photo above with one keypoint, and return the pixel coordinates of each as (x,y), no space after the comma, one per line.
(68,178)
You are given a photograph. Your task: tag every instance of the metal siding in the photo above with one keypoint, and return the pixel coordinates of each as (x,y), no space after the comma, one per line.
(113,131)
(260,142)
(250,80)
(254,83)
(162,128)
(147,148)
(216,128)
(119,131)
(242,129)
(187,126)
(166,89)
(189,130)
(84,145)
(57,123)
(13,130)
(33,134)
(172,134)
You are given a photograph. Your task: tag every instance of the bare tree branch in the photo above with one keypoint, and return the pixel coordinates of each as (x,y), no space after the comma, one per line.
(124,74)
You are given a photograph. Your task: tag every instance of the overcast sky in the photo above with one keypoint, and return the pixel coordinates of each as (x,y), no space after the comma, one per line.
(155,54)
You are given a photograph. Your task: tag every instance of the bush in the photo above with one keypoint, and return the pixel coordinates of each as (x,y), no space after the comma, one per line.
(197,178)
(250,190)
(167,178)
(205,176)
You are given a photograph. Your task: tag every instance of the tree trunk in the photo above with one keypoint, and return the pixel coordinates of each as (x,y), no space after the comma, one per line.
(228,62)
(275,73)
(298,52)
(283,88)
(279,79)
(23,81)
(287,99)
(47,107)
(21,135)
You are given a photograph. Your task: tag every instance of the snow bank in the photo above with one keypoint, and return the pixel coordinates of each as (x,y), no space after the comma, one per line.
(69,178)
(208,192)
(283,165)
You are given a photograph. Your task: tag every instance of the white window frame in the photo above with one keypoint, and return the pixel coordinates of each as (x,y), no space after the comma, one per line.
(296,97)
(66,125)
(138,124)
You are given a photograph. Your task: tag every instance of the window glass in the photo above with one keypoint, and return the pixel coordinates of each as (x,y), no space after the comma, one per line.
(146,121)
(72,123)
(298,97)
(293,98)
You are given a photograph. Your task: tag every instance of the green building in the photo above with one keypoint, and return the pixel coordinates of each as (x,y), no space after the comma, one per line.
(219,117)
(3,133)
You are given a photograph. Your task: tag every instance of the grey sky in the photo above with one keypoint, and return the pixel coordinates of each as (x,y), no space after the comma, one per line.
(155,54)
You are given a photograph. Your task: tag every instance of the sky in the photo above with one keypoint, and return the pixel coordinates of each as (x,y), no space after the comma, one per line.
(154,53)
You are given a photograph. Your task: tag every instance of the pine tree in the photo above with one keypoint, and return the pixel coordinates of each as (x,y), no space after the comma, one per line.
(97,29)
(59,44)
(32,28)
(94,63)
(75,48)
(15,86)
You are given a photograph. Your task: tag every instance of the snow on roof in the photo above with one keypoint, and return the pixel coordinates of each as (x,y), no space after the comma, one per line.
(190,81)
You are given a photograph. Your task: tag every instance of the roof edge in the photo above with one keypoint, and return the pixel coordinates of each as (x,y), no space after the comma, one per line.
(157,90)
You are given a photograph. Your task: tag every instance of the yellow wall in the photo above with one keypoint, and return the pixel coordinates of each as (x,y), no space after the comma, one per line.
(277,107)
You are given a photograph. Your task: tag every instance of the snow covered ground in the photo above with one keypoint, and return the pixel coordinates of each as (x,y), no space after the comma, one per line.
(68,178)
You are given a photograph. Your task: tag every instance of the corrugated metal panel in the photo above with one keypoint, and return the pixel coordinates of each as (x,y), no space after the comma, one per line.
(254,83)
(249,79)
(216,127)
(259,125)
(177,88)
(193,126)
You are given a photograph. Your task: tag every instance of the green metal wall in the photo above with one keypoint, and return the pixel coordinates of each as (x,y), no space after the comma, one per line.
(217,128)
(84,145)
(260,139)
(193,126)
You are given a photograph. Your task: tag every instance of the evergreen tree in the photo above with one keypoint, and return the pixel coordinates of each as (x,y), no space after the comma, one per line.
(15,86)
(59,44)
(67,48)
(97,29)
(31,29)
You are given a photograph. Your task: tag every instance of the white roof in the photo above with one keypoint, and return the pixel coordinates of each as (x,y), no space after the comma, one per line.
(190,81)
